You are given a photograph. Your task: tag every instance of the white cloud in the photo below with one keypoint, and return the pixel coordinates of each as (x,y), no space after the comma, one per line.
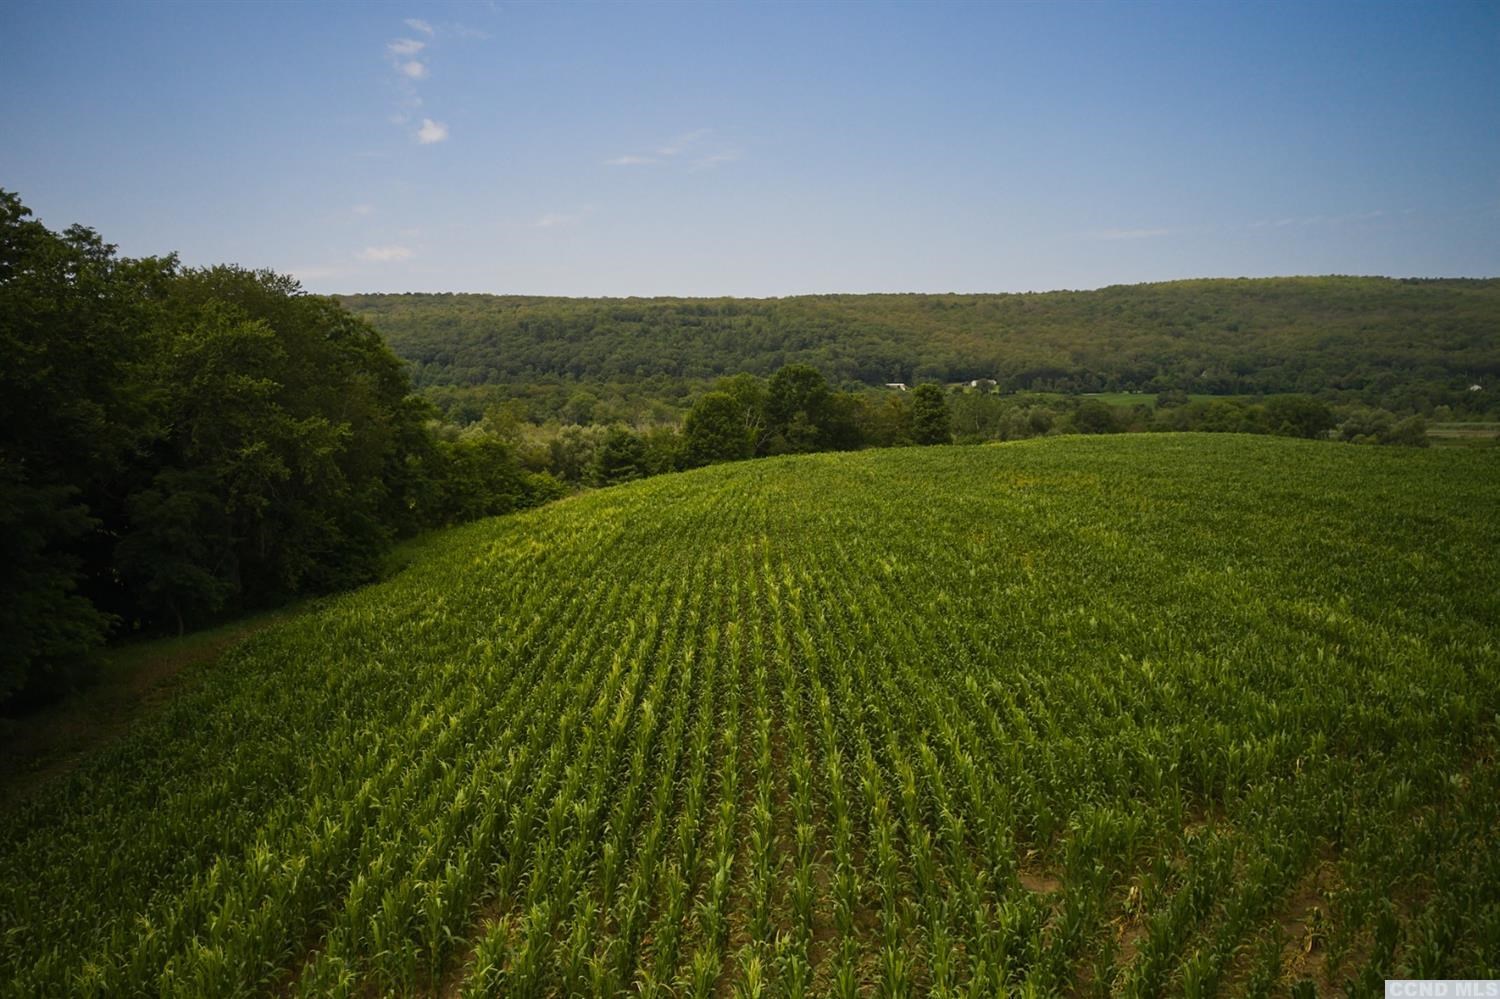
(672,148)
(365,209)
(717,159)
(385,254)
(1129,233)
(410,71)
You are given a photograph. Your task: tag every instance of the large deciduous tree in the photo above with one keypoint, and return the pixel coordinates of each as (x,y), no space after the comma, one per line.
(930,421)
(1299,416)
(714,430)
(798,407)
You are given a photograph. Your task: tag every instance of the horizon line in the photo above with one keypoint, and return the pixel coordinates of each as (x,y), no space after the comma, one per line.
(949,293)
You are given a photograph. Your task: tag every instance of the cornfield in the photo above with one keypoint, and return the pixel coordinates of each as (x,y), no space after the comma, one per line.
(1124,716)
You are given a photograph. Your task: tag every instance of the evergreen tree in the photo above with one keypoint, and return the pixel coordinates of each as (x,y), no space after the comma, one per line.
(620,458)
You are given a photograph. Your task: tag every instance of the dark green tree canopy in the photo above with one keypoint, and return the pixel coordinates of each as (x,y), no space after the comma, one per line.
(749,394)
(176,443)
(1094,417)
(799,406)
(930,422)
(621,458)
(77,331)
(1298,416)
(714,430)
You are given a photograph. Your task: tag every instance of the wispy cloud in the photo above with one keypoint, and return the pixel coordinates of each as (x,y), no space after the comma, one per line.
(363,209)
(1112,234)
(385,254)
(1284,222)
(1311,220)
(716,159)
(409,72)
(674,148)
(683,142)
(566,217)
(466,32)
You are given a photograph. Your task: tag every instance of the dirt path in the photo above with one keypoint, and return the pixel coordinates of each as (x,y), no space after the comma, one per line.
(134,680)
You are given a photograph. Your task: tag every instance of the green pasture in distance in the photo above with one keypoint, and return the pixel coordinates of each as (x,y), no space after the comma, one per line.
(1127,400)
(1135,714)
(1457,434)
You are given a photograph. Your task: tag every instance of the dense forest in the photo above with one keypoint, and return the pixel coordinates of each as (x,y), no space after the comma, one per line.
(1406,345)
(178,444)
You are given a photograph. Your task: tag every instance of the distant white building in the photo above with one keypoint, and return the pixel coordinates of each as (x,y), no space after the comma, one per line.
(896,385)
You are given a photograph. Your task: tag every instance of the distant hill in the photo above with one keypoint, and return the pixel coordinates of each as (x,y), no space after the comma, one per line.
(1402,340)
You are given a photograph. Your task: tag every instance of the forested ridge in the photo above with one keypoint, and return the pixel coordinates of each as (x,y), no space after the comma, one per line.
(1405,344)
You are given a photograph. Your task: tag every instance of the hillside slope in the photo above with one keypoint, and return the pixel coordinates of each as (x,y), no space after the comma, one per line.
(1223,336)
(1129,713)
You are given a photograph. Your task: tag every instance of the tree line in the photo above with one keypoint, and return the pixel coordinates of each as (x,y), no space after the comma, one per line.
(797,411)
(179,443)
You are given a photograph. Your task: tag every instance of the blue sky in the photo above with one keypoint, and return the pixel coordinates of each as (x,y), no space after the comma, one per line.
(763,149)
